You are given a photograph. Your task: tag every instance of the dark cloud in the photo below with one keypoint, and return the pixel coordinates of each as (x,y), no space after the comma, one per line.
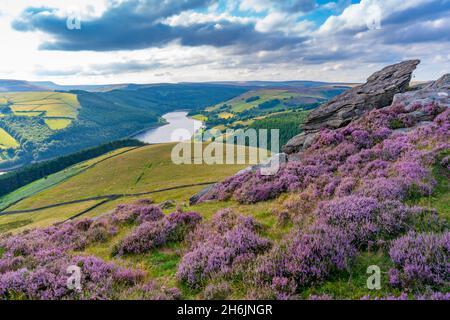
(430,10)
(137,25)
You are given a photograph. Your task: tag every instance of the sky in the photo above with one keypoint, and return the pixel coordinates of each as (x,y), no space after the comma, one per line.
(154,41)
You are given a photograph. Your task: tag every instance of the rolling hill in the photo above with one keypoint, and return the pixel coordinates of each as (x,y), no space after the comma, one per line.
(120,176)
(49,124)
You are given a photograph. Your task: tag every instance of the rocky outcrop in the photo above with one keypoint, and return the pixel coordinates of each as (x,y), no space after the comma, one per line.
(196,197)
(435,92)
(377,92)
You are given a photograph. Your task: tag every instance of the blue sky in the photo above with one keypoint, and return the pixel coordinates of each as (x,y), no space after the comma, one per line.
(147,41)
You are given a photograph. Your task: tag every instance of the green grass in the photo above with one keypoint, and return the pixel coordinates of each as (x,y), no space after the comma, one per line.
(240,104)
(7,141)
(45,104)
(42,218)
(352,284)
(58,124)
(440,199)
(50,181)
(150,168)
(119,175)
(199,117)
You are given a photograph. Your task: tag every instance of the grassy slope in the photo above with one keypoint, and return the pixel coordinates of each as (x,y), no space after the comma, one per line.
(240,104)
(141,170)
(52,180)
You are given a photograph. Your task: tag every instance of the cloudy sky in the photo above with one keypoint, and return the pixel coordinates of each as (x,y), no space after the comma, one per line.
(145,41)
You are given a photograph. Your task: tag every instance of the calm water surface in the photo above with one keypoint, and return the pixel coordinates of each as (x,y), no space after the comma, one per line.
(178,128)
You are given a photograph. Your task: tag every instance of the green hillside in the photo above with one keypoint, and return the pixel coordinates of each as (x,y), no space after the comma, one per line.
(121,176)
(51,124)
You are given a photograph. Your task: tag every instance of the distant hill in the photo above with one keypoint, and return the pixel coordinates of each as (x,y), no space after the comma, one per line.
(19,86)
(46,124)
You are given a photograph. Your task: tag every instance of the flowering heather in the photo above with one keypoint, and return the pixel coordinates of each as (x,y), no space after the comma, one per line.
(344,159)
(138,212)
(365,219)
(152,291)
(153,234)
(421,260)
(33,264)
(227,242)
(306,257)
(217,291)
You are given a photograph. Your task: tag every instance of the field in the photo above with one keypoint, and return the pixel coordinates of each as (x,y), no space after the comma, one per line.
(253,99)
(58,124)
(199,117)
(6,141)
(58,109)
(53,180)
(142,170)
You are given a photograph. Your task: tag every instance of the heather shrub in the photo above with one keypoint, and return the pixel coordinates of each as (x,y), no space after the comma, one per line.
(383,189)
(229,241)
(306,257)
(153,291)
(219,291)
(421,260)
(300,205)
(365,219)
(139,212)
(48,280)
(153,234)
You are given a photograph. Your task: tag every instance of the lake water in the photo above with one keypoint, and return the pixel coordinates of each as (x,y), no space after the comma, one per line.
(178,128)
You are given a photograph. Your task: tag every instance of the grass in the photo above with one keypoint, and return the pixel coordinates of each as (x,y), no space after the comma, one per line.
(440,199)
(141,170)
(242,102)
(150,168)
(7,141)
(58,124)
(200,117)
(47,105)
(226,115)
(43,218)
(352,284)
(50,181)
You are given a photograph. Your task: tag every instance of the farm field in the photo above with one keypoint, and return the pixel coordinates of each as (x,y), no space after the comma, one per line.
(253,99)
(58,109)
(6,141)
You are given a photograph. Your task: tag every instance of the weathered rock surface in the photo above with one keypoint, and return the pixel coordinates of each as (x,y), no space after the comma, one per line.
(377,92)
(437,91)
(196,197)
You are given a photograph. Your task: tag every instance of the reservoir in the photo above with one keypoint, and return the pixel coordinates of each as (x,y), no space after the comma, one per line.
(179,127)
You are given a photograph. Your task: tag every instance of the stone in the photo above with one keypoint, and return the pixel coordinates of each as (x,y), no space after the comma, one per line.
(437,92)
(168,204)
(196,197)
(376,93)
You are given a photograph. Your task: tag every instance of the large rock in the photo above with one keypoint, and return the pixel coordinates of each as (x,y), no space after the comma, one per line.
(377,92)
(437,92)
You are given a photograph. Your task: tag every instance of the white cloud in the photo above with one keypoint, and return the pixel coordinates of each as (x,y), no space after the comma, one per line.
(328,55)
